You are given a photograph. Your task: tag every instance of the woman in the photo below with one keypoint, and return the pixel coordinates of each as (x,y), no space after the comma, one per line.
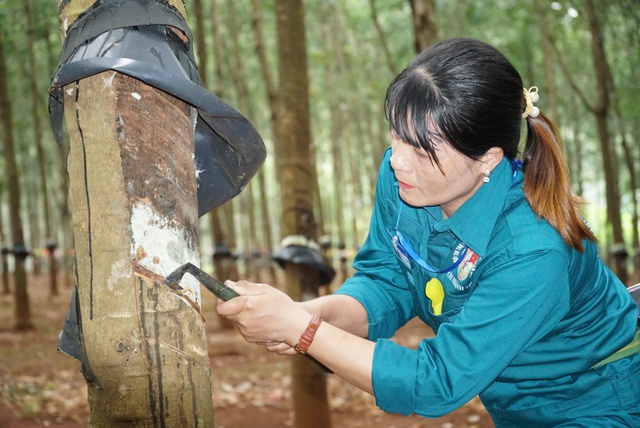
(488,251)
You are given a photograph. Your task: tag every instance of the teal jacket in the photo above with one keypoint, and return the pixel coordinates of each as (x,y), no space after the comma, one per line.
(524,316)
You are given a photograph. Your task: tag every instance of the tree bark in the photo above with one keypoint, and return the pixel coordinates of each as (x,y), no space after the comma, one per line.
(424,23)
(134,223)
(21,296)
(293,159)
(133,194)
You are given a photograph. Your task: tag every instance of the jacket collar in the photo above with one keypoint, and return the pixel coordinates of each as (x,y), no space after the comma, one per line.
(474,221)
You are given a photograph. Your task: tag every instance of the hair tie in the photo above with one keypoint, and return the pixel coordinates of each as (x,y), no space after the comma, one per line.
(531,96)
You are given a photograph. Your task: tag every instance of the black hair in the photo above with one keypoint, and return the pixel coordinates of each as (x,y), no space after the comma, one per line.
(465,93)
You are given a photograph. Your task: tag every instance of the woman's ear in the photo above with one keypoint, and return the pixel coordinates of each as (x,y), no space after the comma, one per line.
(493,157)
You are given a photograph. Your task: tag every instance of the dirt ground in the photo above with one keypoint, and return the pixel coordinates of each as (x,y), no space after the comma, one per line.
(40,386)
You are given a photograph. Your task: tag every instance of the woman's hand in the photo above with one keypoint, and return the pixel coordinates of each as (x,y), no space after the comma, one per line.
(269,317)
(265,316)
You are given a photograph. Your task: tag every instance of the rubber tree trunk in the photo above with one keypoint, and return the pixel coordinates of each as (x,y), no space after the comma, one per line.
(424,23)
(22,307)
(309,380)
(296,175)
(134,206)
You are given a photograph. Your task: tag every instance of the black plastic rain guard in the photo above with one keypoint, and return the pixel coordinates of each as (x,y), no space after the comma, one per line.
(134,37)
(305,256)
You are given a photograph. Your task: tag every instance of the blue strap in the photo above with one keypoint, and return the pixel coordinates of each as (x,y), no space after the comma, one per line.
(416,257)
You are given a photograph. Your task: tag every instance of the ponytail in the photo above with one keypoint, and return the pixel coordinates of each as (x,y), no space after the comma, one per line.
(546,182)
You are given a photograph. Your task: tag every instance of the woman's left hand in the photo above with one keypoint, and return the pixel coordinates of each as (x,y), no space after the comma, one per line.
(265,316)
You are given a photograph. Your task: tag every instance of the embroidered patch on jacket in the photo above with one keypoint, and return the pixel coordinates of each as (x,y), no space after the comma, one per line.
(461,276)
(468,264)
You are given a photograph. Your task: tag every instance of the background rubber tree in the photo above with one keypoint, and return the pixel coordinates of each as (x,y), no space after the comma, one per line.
(424,23)
(133,196)
(38,111)
(297,189)
(22,308)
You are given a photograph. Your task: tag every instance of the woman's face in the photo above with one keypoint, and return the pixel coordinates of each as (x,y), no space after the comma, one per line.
(423,183)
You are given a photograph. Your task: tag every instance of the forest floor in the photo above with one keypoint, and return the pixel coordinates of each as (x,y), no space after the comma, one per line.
(40,386)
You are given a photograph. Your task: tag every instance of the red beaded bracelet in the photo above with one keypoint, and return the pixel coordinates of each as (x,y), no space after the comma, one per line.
(307,337)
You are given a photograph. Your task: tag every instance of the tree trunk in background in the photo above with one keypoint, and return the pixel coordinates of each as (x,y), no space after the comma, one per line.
(371,127)
(337,127)
(239,76)
(225,214)
(36,107)
(248,229)
(221,218)
(295,173)
(575,150)
(337,146)
(635,149)
(31,210)
(607,145)
(224,263)
(272,100)
(629,159)
(601,111)
(217,238)
(66,247)
(4,251)
(220,261)
(267,76)
(271,277)
(346,132)
(424,23)
(21,296)
(383,40)
(633,186)
(133,193)
(355,188)
(200,45)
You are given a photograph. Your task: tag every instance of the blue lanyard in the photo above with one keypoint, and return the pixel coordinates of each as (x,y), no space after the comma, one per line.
(404,249)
